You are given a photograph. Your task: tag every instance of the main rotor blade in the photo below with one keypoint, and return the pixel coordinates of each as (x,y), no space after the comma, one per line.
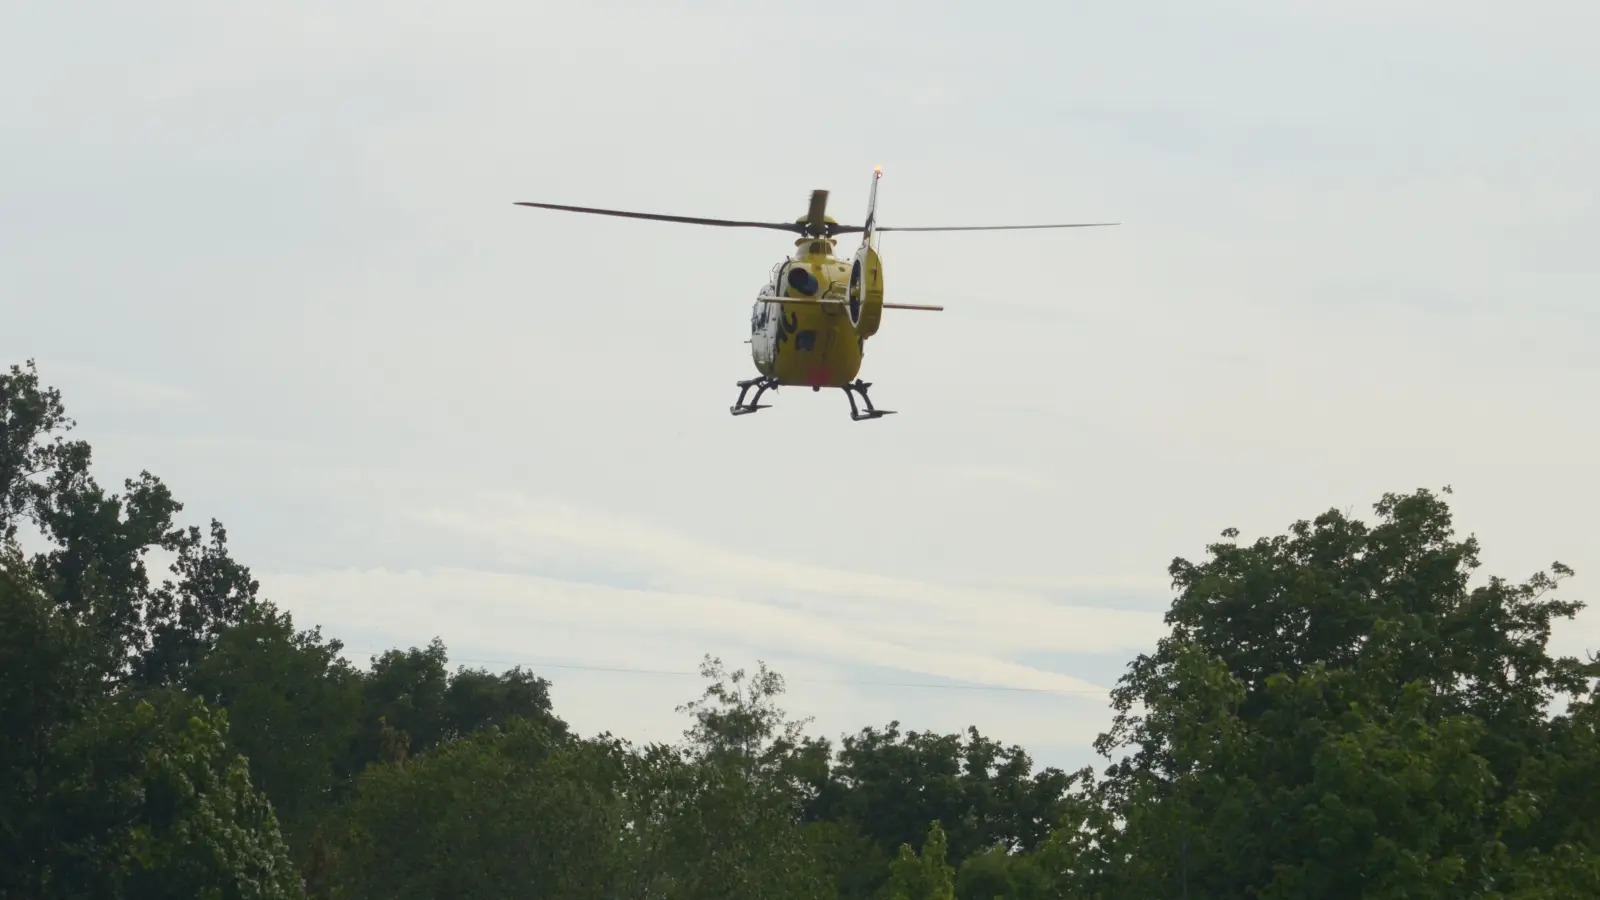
(995,227)
(857,229)
(691,220)
(824,301)
(817,209)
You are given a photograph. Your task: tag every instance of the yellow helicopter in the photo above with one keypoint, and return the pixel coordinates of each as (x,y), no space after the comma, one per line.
(811,321)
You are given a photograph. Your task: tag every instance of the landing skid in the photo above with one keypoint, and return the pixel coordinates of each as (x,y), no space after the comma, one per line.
(762,385)
(860,387)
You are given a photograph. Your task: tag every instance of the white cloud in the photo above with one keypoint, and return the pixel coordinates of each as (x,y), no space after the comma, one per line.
(839,636)
(520,614)
(500,619)
(996,619)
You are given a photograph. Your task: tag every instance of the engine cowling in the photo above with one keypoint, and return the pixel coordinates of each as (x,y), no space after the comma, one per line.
(864,297)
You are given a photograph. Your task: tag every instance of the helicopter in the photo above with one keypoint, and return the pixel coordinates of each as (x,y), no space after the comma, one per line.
(812,319)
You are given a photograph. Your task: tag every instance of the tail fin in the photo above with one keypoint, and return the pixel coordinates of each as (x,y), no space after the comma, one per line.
(872,209)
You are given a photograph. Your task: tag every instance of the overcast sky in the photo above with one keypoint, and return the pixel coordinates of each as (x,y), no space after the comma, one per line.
(269,252)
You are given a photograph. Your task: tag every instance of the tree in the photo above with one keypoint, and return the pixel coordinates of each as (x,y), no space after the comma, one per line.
(411,696)
(293,705)
(925,876)
(1336,713)
(704,829)
(151,802)
(109,795)
(53,677)
(981,792)
(999,874)
(184,618)
(509,811)
(33,423)
(1347,709)
(718,818)
(737,718)
(94,565)
(477,699)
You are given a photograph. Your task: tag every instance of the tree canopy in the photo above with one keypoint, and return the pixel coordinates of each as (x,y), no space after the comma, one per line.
(1348,709)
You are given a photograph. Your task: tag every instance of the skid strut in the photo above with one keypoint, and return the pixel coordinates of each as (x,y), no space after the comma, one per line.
(762,385)
(860,387)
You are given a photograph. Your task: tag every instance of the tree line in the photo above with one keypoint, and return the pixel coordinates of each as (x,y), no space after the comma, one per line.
(1338,711)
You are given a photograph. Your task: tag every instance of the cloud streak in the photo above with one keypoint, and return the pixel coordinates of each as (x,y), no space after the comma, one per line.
(696,595)
(525,530)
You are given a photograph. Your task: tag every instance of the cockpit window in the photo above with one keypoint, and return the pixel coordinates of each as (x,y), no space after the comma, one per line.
(803,281)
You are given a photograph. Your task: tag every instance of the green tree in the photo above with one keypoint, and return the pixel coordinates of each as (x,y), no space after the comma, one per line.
(1347,709)
(53,677)
(107,795)
(410,696)
(505,812)
(704,830)
(152,803)
(33,423)
(737,719)
(1000,874)
(891,784)
(883,787)
(924,876)
(718,818)
(293,705)
(477,698)
(97,541)
(1337,712)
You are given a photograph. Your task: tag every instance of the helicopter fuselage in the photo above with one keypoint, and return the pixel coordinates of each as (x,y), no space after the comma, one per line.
(807,343)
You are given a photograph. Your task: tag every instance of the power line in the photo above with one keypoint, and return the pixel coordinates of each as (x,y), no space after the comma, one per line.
(953,687)
(849,681)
